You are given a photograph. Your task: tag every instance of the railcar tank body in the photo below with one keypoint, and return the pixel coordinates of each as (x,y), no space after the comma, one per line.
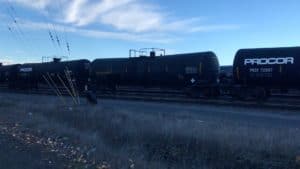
(110,72)
(32,75)
(8,75)
(197,70)
(267,68)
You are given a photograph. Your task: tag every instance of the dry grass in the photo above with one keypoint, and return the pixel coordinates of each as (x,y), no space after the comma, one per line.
(124,137)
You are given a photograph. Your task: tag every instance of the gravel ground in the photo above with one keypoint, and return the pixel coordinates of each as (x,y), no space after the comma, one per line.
(136,134)
(15,154)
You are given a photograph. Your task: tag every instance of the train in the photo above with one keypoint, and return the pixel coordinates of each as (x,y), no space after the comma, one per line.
(41,75)
(254,73)
(37,75)
(193,71)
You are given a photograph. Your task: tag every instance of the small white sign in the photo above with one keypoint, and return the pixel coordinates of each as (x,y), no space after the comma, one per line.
(29,69)
(193,80)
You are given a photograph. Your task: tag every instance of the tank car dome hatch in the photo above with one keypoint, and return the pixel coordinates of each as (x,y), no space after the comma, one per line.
(56,60)
(152,54)
(147,52)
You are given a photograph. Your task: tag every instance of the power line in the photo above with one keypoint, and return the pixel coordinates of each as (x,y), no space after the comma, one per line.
(52,32)
(59,6)
(53,35)
(17,29)
(16,33)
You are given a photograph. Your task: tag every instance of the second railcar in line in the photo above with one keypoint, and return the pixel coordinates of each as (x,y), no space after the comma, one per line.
(197,71)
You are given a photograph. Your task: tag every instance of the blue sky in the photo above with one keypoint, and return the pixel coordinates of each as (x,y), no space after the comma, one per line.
(109,28)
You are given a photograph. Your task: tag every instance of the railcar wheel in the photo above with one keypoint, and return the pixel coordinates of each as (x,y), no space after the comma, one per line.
(211,92)
(240,93)
(260,94)
(206,92)
(191,92)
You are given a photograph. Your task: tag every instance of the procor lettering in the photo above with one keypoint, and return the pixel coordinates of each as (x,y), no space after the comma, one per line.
(269,61)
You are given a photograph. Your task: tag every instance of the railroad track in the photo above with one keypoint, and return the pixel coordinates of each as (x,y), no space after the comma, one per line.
(271,103)
(286,102)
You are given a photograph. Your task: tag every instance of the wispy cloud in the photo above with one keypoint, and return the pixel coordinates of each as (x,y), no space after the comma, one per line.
(84,12)
(217,27)
(36,4)
(137,37)
(122,15)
